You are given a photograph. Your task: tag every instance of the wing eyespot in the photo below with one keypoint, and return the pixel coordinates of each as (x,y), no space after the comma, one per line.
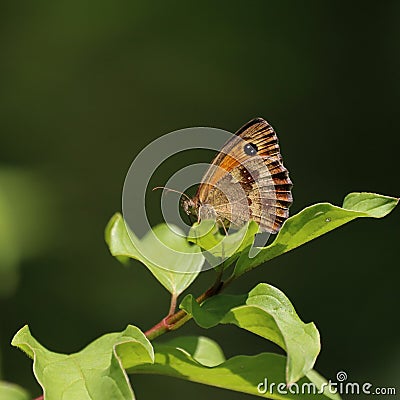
(250,149)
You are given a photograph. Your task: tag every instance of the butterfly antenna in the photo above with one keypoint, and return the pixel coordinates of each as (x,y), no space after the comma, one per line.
(172,190)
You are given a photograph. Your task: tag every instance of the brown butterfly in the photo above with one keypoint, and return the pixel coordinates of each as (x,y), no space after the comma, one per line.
(246,181)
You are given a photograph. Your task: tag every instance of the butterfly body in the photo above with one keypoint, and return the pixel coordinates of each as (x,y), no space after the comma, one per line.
(246,181)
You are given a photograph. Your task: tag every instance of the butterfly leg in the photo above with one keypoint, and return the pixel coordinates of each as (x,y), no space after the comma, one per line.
(223,226)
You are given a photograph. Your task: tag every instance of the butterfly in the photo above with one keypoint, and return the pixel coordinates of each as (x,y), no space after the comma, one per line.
(245,181)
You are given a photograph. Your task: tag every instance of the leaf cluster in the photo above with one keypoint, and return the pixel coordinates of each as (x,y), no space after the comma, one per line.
(100,371)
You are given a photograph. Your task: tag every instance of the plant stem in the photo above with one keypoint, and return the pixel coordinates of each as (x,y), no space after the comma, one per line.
(174,321)
(172,306)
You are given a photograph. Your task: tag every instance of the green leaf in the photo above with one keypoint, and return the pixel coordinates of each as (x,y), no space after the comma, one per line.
(204,350)
(207,235)
(164,251)
(374,205)
(218,247)
(241,373)
(9,391)
(96,372)
(315,221)
(267,312)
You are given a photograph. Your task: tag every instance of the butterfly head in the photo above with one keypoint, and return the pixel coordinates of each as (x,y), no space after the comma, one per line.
(190,206)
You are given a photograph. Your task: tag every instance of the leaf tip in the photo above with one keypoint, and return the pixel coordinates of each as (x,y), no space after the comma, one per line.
(116,216)
(17,339)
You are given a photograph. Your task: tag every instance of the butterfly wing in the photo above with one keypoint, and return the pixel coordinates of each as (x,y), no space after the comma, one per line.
(240,185)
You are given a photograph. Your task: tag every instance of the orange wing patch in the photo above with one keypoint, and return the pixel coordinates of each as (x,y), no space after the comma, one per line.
(267,195)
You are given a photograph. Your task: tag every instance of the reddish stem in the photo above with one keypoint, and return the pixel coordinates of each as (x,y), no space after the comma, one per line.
(176,320)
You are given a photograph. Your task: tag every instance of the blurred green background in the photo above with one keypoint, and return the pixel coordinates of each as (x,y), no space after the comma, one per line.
(85,85)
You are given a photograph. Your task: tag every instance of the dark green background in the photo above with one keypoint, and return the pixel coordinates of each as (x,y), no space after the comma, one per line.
(85,85)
